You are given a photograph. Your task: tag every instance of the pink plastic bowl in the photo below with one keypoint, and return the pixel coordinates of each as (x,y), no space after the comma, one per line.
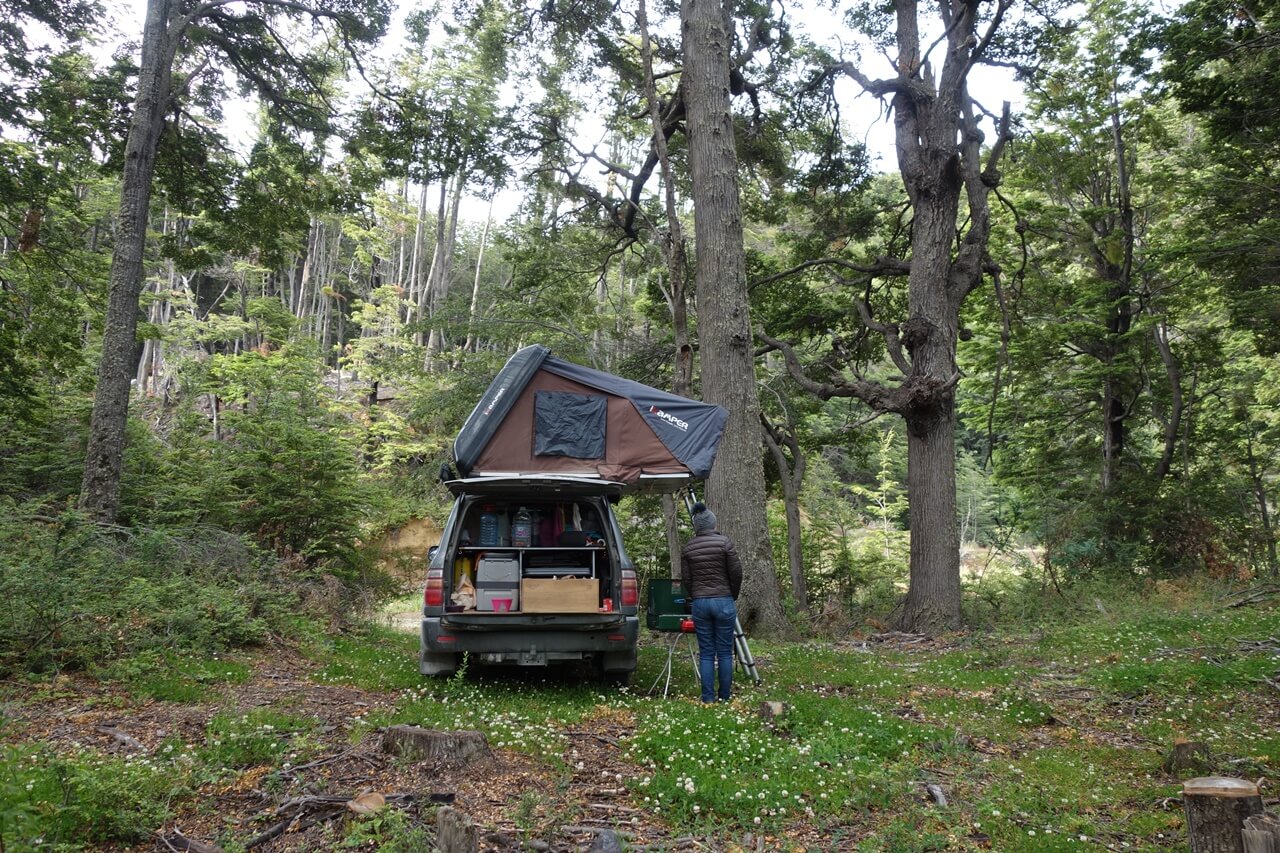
(502,605)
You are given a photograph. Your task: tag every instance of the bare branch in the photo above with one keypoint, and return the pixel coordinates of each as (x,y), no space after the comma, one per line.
(882,266)
(889,331)
(876,88)
(879,397)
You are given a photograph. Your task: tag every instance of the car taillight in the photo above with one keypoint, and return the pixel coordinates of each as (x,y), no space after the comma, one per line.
(433,595)
(630,589)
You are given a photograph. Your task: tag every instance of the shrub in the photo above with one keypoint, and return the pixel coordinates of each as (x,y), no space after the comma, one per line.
(77,594)
(55,802)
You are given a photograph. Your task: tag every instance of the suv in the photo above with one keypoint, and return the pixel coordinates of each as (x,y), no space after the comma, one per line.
(531,570)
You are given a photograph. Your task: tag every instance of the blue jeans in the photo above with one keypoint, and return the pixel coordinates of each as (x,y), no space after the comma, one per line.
(713,621)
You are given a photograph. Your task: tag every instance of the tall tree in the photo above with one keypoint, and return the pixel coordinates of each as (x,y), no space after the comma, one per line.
(1221,59)
(948,180)
(252,39)
(736,486)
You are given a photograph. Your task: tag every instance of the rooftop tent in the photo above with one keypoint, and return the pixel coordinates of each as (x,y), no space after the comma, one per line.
(542,414)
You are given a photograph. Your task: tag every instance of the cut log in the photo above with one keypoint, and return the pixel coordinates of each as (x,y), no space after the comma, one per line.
(455,832)
(1261,834)
(1216,808)
(416,744)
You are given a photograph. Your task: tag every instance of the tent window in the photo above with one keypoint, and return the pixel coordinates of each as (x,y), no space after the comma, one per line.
(567,424)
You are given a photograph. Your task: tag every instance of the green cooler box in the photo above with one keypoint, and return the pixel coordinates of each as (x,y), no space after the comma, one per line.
(665,605)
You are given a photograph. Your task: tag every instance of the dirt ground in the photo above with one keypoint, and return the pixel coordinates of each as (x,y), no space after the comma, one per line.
(303,808)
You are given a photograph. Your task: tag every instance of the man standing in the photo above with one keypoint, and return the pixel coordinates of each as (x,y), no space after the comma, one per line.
(711,574)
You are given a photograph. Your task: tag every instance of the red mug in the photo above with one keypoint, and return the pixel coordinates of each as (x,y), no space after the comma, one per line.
(608,605)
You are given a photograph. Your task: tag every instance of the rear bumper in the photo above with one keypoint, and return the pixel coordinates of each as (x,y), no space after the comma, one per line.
(535,639)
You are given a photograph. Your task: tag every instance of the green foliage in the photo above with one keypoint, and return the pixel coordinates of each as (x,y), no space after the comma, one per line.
(389,830)
(373,658)
(77,595)
(63,802)
(296,483)
(175,676)
(261,736)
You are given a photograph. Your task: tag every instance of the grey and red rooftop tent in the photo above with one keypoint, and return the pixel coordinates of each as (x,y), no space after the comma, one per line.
(542,414)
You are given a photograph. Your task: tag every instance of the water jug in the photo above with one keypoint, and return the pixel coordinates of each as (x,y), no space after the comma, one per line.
(489,527)
(522,529)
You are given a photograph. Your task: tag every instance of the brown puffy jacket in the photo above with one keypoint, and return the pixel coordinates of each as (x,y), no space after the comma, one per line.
(709,567)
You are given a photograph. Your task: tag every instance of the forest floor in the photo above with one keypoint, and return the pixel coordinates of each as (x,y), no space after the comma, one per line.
(1011,740)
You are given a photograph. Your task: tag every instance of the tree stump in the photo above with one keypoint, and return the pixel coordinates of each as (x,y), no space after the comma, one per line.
(1261,834)
(455,832)
(1216,808)
(1188,756)
(417,744)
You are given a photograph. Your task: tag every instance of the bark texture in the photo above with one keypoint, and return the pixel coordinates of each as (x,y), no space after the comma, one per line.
(735,490)
(791,475)
(104,456)
(1216,808)
(941,162)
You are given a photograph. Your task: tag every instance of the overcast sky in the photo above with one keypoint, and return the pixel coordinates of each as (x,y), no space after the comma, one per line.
(863,115)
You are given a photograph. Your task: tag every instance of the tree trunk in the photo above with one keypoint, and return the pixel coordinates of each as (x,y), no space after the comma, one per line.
(1216,808)
(1174,425)
(933,598)
(791,476)
(675,250)
(104,456)
(442,267)
(1120,312)
(675,254)
(671,523)
(930,334)
(1260,495)
(424,294)
(414,296)
(470,345)
(401,228)
(735,489)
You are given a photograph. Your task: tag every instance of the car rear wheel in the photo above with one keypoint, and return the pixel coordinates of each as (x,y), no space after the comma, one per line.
(613,677)
(438,665)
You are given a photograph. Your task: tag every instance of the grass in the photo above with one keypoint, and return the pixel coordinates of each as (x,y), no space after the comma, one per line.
(261,736)
(1045,739)
(375,658)
(53,801)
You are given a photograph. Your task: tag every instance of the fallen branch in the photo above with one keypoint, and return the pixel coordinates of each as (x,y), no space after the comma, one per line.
(332,805)
(601,738)
(179,843)
(1254,595)
(319,762)
(580,829)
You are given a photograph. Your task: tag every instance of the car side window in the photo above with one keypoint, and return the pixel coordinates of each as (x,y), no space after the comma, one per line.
(435,554)
(616,531)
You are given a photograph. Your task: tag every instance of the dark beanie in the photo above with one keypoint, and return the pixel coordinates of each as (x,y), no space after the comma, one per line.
(704,520)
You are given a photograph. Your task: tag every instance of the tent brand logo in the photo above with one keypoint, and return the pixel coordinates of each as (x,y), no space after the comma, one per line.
(488,410)
(671,419)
